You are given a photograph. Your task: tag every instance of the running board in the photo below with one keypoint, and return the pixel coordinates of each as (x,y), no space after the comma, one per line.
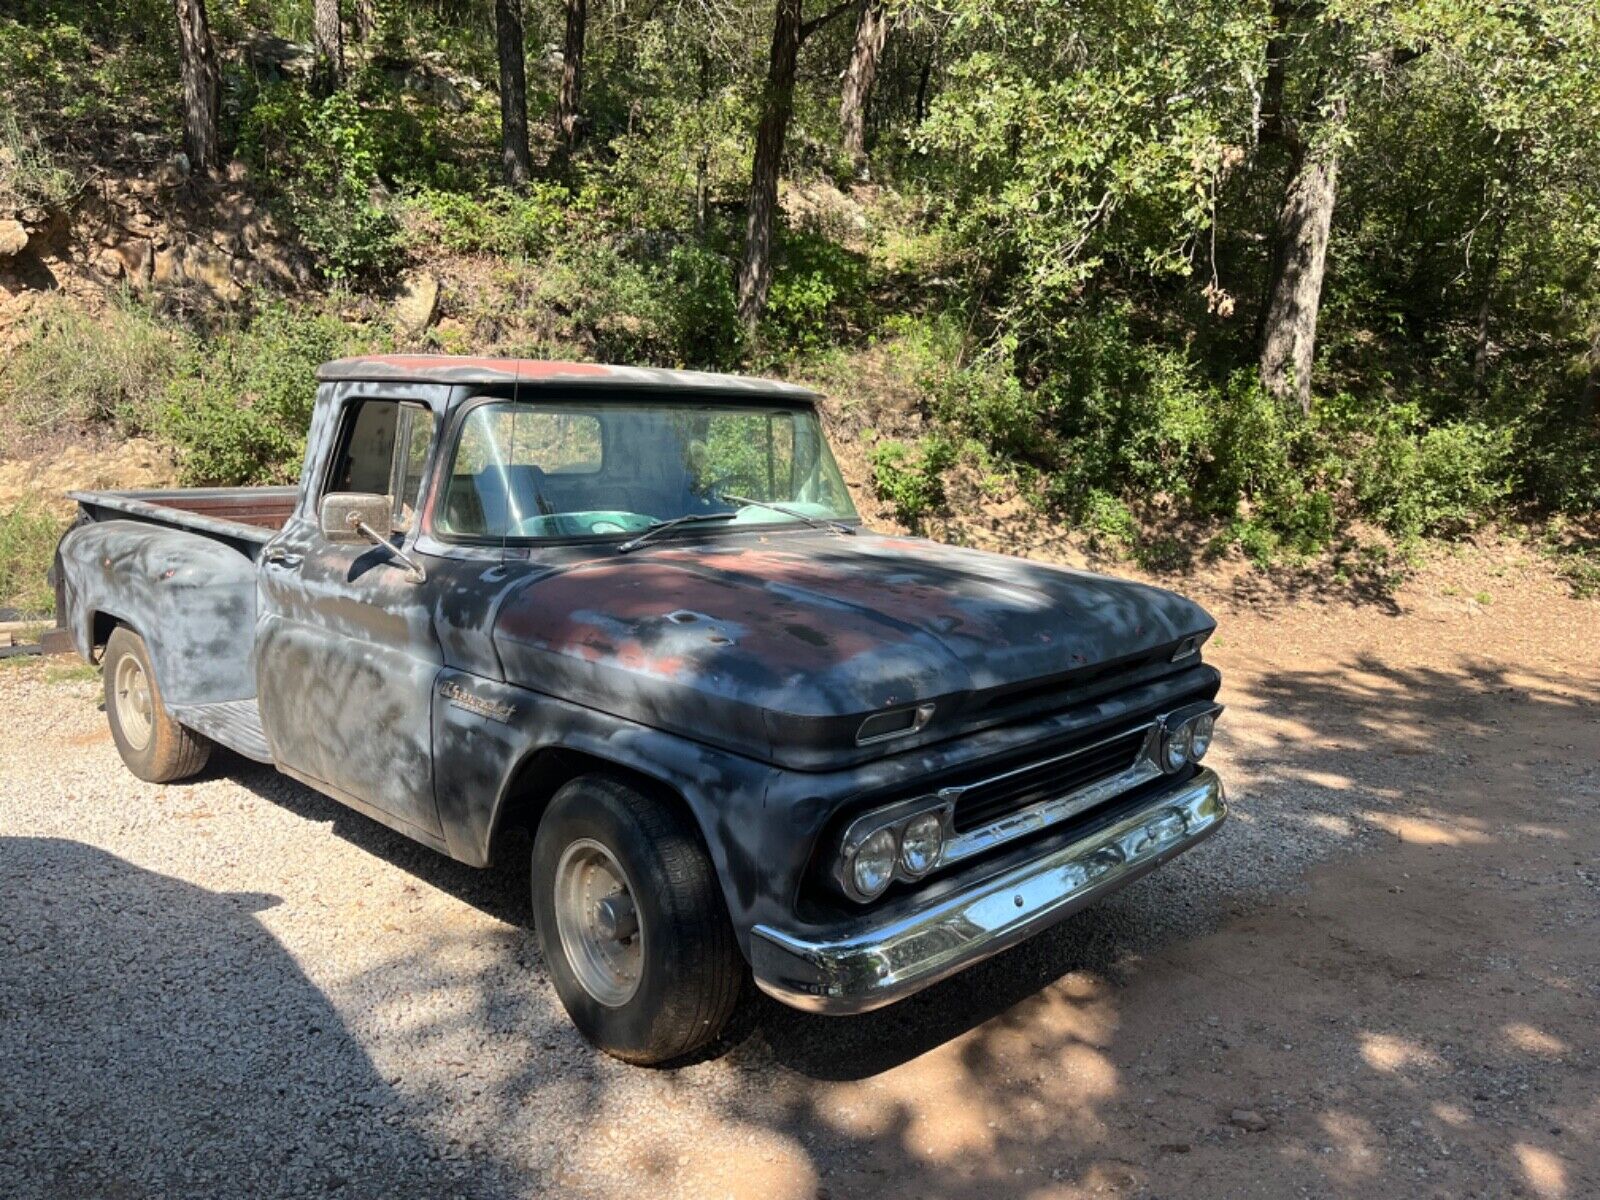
(235,724)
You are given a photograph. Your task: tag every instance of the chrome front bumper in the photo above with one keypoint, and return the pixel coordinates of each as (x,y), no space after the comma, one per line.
(864,966)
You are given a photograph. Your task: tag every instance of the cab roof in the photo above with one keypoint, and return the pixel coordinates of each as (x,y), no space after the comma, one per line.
(533,372)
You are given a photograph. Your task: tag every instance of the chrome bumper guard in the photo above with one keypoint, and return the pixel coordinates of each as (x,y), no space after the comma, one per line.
(867,966)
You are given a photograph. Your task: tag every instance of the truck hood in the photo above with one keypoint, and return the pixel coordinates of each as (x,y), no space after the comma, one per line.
(779,646)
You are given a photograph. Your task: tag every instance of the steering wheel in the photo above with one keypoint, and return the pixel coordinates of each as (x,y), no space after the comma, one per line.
(581,524)
(737,482)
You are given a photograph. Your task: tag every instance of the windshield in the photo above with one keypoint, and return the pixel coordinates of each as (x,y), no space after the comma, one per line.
(571,469)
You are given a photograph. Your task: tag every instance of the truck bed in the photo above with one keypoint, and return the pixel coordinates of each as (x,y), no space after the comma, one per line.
(246,516)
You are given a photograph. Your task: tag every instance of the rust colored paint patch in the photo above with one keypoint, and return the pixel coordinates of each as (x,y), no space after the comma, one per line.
(519,368)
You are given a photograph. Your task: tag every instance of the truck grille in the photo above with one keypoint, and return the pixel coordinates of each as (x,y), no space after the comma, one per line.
(988,801)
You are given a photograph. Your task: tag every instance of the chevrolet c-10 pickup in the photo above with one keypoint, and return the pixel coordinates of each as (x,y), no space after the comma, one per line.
(633,617)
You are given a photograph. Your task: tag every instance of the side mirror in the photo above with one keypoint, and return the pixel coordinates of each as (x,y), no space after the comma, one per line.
(348,517)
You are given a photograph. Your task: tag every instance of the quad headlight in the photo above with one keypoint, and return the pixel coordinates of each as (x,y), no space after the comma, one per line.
(902,843)
(873,868)
(1186,736)
(921,843)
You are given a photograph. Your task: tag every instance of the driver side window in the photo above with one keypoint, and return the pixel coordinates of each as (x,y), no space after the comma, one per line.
(383,450)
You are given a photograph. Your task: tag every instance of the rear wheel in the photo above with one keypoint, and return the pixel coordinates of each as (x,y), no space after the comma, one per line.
(153,745)
(632,923)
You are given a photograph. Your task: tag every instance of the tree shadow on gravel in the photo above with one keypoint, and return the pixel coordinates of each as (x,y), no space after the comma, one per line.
(1103,1055)
(500,891)
(158,1041)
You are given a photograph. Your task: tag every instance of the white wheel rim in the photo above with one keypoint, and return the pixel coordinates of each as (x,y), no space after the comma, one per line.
(135,705)
(593,897)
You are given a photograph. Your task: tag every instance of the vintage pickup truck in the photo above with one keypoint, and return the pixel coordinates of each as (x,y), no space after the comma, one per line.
(634,613)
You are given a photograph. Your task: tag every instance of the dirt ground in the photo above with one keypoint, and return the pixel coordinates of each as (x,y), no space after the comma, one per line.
(1381,979)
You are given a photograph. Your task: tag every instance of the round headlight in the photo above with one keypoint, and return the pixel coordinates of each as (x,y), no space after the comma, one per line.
(921,844)
(874,864)
(1200,731)
(1175,751)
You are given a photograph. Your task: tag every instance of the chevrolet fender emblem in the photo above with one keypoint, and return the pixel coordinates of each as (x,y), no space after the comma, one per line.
(495,710)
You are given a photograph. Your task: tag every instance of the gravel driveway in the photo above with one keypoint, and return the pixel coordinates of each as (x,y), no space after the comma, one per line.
(1382,978)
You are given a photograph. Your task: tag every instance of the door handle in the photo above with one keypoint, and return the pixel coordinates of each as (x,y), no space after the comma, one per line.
(277,556)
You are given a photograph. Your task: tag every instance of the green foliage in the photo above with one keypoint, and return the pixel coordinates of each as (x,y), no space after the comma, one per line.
(1109,520)
(911,478)
(494,221)
(77,371)
(239,411)
(1442,480)
(28,537)
(56,75)
(818,288)
(1059,258)
(702,317)
(321,158)
(29,174)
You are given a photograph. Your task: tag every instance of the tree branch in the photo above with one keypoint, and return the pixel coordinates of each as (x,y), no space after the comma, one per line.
(816,23)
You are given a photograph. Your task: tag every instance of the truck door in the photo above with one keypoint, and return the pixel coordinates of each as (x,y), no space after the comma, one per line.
(346,652)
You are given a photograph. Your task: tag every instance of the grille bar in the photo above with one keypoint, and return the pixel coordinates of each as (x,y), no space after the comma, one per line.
(988,801)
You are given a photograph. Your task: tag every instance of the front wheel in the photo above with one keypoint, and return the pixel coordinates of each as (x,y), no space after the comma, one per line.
(154,746)
(632,923)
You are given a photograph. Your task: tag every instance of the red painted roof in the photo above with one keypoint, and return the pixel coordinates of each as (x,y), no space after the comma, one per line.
(445,368)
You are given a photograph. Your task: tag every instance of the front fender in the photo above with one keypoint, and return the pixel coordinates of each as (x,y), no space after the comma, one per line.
(484,731)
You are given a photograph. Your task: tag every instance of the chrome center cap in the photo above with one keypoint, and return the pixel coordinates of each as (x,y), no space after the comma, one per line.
(616,918)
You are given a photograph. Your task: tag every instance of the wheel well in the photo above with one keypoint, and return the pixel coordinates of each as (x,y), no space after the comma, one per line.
(100,631)
(543,773)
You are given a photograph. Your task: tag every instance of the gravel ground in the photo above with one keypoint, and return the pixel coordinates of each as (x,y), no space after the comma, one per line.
(1381,978)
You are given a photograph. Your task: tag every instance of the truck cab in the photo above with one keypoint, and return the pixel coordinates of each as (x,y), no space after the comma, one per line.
(635,614)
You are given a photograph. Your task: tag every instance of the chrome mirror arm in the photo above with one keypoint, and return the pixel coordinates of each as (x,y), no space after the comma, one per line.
(414,570)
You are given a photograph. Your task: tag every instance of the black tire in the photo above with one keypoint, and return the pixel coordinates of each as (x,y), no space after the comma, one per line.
(168,751)
(690,975)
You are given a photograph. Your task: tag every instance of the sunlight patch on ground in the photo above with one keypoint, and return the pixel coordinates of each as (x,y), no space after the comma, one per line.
(1428,831)
(1386,1052)
(1534,1041)
(1543,1171)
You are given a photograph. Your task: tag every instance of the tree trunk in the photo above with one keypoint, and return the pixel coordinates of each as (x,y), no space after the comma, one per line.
(327,38)
(1589,399)
(777,105)
(872,31)
(923,77)
(1299,262)
(702,191)
(364,19)
(569,125)
(202,86)
(515,163)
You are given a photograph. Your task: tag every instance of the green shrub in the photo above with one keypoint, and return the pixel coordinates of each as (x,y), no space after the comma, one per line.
(321,158)
(818,286)
(1109,520)
(911,479)
(1130,418)
(78,371)
(1259,541)
(987,401)
(239,412)
(702,311)
(1253,447)
(29,173)
(28,537)
(494,221)
(1440,481)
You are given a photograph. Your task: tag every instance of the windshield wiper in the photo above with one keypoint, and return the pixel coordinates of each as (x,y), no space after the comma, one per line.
(814,522)
(634,543)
